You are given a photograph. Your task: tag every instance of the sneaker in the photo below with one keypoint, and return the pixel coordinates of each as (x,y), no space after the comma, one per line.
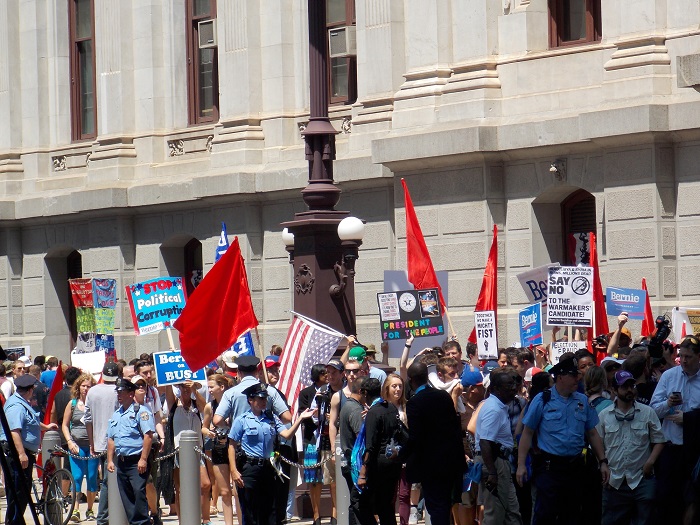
(413,516)
(76,516)
(89,515)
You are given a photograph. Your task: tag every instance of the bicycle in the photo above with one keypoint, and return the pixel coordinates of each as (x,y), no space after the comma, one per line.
(58,496)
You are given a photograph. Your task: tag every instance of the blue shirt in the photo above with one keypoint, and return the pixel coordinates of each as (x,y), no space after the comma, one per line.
(256,434)
(21,416)
(675,380)
(377,373)
(127,428)
(493,423)
(562,423)
(234,402)
(47,377)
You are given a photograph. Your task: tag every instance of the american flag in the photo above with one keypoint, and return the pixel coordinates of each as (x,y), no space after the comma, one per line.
(307,344)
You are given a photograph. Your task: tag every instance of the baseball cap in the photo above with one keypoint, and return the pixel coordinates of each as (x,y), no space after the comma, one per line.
(229,358)
(371,350)
(471,376)
(270,361)
(490,366)
(530,372)
(138,378)
(358,353)
(611,361)
(622,376)
(25,360)
(110,372)
(626,331)
(337,364)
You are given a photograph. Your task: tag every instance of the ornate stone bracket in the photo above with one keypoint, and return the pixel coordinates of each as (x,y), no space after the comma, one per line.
(59,163)
(210,143)
(346,125)
(176,148)
(302,128)
(304,279)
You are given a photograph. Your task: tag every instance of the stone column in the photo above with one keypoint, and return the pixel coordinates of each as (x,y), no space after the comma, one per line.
(11,169)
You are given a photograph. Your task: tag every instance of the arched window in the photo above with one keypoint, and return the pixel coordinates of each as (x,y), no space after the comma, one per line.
(182,256)
(578,217)
(193,265)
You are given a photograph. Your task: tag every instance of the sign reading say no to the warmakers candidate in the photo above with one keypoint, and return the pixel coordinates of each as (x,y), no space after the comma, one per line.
(570,296)
(155,304)
(171,369)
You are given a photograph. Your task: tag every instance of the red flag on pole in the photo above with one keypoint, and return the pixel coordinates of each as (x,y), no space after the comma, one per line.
(648,324)
(421,273)
(488,296)
(601,315)
(56,387)
(219,313)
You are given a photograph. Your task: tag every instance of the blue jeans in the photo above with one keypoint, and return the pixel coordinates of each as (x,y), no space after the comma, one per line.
(625,505)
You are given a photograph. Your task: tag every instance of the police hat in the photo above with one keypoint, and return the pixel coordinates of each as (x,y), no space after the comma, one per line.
(256,390)
(565,367)
(247,363)
(125,385)
(25,381)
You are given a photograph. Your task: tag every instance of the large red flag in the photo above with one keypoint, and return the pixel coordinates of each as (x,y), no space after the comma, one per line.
(488,296)
(56,387)
(648,324)
(219,313)
(421,273)
(601,315)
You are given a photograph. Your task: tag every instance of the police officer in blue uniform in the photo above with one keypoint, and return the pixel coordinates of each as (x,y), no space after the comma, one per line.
(256,431)
(130,434)
(563,420)
(25,429)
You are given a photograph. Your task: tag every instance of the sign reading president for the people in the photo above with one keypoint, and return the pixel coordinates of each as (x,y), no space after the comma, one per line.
(410,313)
(570,296)
(155,304)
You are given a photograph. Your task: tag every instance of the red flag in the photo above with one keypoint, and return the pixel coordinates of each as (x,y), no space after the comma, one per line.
(219,313)
(601,315)
(684,332)
(648,324)
(488,296)
(421,273)
(56,387)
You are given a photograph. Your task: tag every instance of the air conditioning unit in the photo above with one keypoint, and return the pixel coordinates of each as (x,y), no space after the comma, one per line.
(206,29)
(342,41)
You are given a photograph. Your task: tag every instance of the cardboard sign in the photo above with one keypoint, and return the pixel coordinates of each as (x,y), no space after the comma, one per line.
(410,312)
(570,296)
(618,300)
(562,347)
(530,322)
(486,337)
(689,316)
(155,304)
(172,369)
(91,362)
(534,283)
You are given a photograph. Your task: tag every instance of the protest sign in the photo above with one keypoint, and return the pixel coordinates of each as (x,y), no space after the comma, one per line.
(530,321)
(104,293)
(486,338)
(155,304)
(172,369)
(15,352)
(689,316)
(534,283)
(81,292)
(85,319)
(91,362)
(570,296)
(104,320)
(105,342)
(410,312)
(630,300)
(562,347)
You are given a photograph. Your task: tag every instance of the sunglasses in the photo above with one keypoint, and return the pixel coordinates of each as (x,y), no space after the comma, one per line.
(693,339)
(628,417)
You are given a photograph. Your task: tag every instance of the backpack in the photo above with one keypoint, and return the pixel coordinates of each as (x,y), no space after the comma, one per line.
(358,451)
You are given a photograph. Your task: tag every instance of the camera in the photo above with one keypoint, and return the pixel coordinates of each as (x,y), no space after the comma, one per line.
(663,330)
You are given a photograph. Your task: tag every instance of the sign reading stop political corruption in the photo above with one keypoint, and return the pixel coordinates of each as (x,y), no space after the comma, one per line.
(562,347)
(486,338)
(570,296)
(530,321)
(618,300)
(155,304)
(172,369)
(410,313)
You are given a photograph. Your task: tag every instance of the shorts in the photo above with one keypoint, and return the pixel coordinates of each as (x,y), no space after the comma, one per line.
(219,456)
(468,498)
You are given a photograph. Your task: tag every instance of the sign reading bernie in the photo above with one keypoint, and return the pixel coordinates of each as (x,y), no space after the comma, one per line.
(570,296)
(530,321)
(155,304)
(630,300)
(410,313)
(172,369)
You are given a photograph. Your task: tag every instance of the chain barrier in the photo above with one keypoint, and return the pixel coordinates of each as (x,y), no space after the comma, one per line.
(168,456)
(202,453)
(58,448)
(303,467)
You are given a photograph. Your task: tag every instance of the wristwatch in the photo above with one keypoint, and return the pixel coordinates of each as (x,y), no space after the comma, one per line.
(604,460)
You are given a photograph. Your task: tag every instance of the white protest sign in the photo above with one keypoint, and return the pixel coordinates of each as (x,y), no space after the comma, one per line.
(486,339)
(562,347)
(91,362)
(570,296)
(534,283)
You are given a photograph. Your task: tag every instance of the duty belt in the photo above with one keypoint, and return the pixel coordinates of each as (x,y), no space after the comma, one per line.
(255,461)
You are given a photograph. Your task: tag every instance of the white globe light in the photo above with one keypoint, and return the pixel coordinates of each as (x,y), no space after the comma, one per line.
(287,237)
(351,229)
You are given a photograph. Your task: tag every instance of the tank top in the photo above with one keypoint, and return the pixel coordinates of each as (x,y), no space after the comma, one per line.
(77,428)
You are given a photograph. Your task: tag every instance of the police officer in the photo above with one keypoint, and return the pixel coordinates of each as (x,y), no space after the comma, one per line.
(130,434)
(251,470)
(562,419)
(25,429)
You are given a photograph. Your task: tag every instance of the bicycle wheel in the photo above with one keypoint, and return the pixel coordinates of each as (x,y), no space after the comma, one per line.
(59,498)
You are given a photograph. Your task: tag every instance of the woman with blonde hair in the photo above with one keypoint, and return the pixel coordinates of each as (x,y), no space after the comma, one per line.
(76,436)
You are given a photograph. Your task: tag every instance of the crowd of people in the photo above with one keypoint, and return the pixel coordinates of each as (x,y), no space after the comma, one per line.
(604,435)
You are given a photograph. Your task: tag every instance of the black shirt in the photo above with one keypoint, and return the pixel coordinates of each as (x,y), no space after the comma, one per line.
(60,402)
(381,424)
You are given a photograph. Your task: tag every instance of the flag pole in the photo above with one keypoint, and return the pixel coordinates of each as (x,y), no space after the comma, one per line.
(262,356)
(453,334)
(170,339)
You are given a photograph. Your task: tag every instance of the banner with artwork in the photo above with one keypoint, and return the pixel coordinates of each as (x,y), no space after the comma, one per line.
(81,292)
(410,313)
(95,301)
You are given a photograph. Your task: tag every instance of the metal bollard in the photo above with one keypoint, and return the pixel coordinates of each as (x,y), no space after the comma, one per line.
(117,514)
(190,500)
(51,439)
(342,493)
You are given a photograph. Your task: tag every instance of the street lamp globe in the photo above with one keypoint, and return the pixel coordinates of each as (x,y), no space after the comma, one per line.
(351,229)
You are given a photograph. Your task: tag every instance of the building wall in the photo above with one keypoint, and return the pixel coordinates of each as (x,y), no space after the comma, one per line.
(464,99)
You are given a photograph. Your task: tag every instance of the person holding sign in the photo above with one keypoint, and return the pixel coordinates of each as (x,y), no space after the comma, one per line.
(257,432)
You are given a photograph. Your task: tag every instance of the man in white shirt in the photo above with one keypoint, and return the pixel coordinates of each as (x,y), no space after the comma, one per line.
(629,429)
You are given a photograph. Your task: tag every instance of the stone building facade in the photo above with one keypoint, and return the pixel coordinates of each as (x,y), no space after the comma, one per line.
(495,112)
